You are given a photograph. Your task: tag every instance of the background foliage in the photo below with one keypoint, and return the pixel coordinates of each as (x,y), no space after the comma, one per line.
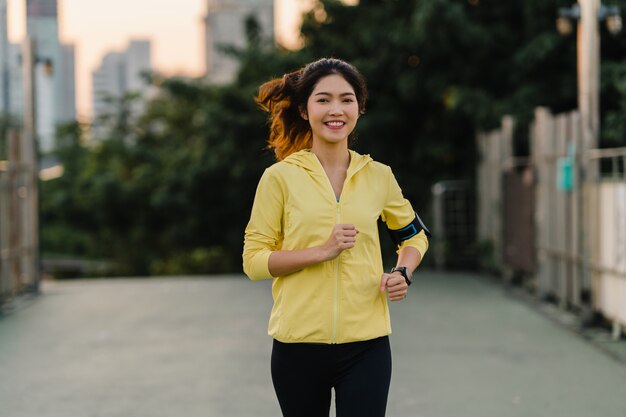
(169,191)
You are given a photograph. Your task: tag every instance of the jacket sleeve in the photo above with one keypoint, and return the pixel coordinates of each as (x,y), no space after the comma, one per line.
(398,213)
(264,231)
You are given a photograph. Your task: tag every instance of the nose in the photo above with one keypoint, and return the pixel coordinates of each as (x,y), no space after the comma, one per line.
(335,109)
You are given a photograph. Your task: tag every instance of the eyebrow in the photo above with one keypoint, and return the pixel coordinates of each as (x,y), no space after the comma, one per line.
(329,94)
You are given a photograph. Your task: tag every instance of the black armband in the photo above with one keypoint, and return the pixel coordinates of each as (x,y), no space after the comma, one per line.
(400,235)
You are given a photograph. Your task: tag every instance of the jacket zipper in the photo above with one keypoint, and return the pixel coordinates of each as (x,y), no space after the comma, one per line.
(336,292)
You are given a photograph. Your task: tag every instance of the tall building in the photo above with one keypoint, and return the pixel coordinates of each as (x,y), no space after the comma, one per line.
(55,86)
(4,59)
(119,73)
(16,91)
(42,26)
(225,26)
(138,61)
(67,101)
(107,82)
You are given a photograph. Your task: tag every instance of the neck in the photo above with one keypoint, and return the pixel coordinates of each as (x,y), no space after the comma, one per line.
(332,156)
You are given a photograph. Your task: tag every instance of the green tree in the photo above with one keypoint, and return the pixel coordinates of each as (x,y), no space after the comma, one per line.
(170,191)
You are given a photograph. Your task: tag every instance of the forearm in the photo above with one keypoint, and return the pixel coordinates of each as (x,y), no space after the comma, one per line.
(409,257)
(285,262)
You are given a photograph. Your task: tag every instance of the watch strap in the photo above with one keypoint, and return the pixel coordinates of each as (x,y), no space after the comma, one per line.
(403,271)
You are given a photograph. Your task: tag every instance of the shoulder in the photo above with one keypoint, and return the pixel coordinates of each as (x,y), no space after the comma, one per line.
(378,168)
(279,173)
(368,162)
(378,172)
(279,169)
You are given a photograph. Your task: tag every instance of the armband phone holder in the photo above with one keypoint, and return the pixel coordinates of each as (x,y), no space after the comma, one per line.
(400,235)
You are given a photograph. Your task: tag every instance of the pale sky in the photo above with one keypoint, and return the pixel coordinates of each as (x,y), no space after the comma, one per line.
(175,28)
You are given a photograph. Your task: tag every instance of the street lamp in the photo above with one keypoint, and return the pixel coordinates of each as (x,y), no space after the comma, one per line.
(565,17)
(613,19)
(609,14)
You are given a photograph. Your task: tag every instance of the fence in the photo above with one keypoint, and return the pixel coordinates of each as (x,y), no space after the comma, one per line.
(454,220)
(19,214)
(495,153)
(19,253)
(607,209)
(556,218)
(559,234)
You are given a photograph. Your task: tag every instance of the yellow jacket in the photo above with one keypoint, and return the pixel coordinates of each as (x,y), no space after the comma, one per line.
(337,301)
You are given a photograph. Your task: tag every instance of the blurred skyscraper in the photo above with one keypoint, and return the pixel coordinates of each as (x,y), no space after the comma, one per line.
(225,26)
(4,59)
(54,72)
(107,82)
(119,73)
(16,92)
(68,92)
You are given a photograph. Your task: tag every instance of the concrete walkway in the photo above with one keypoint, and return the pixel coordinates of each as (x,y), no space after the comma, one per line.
(198,347)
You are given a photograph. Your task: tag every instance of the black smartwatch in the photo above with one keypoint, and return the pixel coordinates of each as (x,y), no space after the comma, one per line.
(404,272)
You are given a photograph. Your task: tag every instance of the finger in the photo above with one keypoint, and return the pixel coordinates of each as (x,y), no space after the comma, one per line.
(346,226)
(347,242)
(399,286)
(397,293)
(394,281)
(397,298)
(383,282)
(397,290)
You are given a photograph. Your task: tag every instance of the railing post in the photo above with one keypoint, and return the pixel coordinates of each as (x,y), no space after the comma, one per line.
(577,236)
(28,157)
(14,224)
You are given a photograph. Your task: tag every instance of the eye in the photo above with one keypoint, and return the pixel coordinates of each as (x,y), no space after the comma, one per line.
(348,100)
(322,100)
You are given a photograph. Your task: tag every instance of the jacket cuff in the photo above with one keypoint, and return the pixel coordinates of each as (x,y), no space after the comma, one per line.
(258,266)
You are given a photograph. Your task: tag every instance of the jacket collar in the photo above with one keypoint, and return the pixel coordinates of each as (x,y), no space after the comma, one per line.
(309,161)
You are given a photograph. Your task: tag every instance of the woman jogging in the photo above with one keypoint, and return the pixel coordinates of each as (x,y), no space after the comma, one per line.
(313,229)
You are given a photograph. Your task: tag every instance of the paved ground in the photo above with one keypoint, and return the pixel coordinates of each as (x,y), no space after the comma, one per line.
(198,347)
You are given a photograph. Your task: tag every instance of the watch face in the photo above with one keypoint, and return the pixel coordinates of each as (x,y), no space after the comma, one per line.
(405,273)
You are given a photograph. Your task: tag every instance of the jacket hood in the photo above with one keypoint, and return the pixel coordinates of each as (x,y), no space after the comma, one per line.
(309,161)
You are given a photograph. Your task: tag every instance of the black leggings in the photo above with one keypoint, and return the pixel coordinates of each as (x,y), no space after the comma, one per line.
(304,373)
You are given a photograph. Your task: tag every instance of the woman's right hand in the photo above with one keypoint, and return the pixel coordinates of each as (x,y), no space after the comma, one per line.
(341,238)
(284,262)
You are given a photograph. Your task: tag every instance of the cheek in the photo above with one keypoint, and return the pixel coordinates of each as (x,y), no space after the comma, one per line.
(354,112)
(314,112)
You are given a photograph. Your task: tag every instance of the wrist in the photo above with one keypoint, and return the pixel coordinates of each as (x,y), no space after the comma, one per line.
(404,272)
(322,254)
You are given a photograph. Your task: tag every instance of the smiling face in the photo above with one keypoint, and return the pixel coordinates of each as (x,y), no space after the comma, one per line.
(332,111)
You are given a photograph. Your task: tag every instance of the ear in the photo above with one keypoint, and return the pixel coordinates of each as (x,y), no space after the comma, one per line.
(304,114)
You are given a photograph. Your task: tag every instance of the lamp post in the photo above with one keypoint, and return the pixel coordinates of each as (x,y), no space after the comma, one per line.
(589,14)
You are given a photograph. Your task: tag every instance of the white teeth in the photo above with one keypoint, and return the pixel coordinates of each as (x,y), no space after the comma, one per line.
(335,124)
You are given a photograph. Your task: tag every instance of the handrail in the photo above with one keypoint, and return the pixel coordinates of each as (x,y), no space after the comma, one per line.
(607,153)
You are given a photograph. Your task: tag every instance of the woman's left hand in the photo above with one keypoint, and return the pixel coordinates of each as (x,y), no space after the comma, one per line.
(396,286)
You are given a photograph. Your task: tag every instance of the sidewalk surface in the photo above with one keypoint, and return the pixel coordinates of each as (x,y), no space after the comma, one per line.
(198,347)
